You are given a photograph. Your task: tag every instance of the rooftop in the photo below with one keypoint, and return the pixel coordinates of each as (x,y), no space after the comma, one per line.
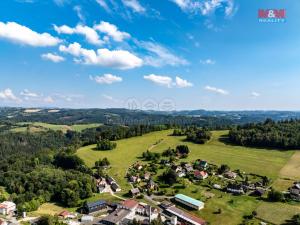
(184,215)
(117,216)
(95,204)
(130,203)
(189,200)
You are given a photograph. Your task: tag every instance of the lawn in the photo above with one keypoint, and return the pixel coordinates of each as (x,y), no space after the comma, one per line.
(252,160)
(276,213)
(54,209)
(38,126)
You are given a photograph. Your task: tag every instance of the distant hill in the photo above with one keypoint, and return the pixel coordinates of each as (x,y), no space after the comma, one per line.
(128,117)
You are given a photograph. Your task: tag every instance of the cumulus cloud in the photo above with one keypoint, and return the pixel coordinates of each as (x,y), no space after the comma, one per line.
(119,59)
(181,83)
(106,79)
(216,90)
(208,61)
(112,31)
(134,5)
(206,7)
(160,80)
(23,35)
(255,94)
(8,94)
(52,57)
(90,34)
(167,81)
(160,56)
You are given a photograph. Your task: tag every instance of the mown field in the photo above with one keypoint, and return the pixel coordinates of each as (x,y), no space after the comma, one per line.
(252,160)
(37,126)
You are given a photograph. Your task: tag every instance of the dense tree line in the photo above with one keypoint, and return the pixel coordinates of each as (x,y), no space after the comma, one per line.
(282,134)
(194,134)
(105,145)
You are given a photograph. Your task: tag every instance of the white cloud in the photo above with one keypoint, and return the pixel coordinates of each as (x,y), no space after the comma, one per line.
(206,7)
(90,34)
(208,61)
(112,31)
(216,90)
(23,35)
(78,11)
(106,79)
(181,83)
(255,94)
(8,94)
(52,57)
(104,5)
(134,5)
(167,81)
(161,56)
(29,94)
(119,59)
(160,80)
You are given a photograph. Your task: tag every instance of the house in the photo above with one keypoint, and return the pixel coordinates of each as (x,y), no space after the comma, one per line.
(147,176)
(151,185)
(7,208)
(200,175)
(115,187)
(66,215)
(188,201)
(95,206)
(129,204)
(235,189)
(176,168)
(188,167)
(294,193)
(135,192)
(183,217)
(134,179)
(116,217)
(230,175)
(109,180)
(87,219)
(138,166)
(203,164)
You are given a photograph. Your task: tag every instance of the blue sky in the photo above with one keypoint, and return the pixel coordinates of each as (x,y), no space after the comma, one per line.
(158,54)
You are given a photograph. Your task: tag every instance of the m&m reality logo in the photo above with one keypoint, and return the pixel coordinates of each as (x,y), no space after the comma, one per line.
(271,15)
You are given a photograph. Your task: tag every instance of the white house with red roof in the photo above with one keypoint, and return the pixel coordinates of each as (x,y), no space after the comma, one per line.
(200,175)
(7,208)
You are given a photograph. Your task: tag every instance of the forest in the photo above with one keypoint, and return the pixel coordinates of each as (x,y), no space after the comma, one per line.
(270,134)
(38,167)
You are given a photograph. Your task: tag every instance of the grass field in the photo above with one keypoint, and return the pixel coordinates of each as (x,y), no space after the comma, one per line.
(276,213)
(38,126)
(259,161)
(54,209)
